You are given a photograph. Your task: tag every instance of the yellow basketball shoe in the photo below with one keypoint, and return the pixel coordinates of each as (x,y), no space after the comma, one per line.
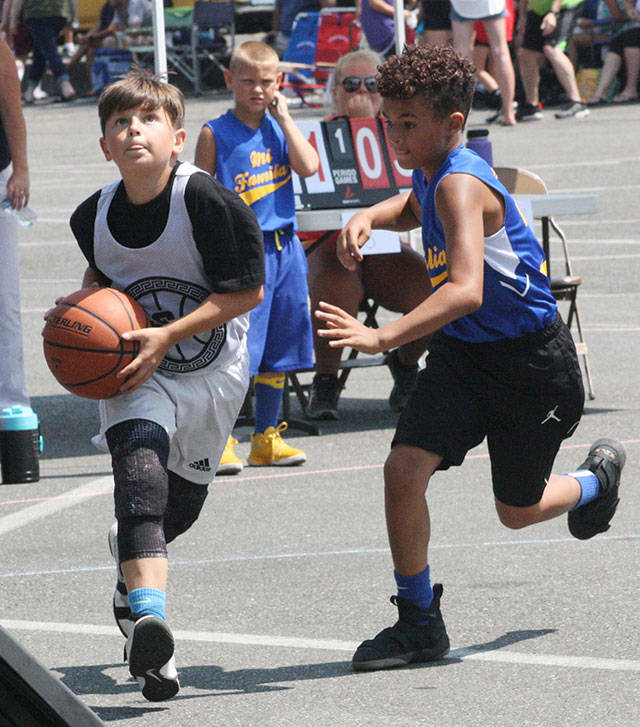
(269,449)
(229,463)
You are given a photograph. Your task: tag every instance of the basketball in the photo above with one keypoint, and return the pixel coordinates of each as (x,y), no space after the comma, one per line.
(82,340)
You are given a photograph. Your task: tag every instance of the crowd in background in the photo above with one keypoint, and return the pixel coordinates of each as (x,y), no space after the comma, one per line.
(533,52)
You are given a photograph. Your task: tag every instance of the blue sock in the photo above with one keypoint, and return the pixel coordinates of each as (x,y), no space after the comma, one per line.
(148,602)
(268,391)
(589,484)
(416,589)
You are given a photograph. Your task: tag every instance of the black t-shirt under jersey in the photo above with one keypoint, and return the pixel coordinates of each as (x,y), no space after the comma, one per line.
(225,229)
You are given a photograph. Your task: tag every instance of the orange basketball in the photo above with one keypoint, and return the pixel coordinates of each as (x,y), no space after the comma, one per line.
(82,343)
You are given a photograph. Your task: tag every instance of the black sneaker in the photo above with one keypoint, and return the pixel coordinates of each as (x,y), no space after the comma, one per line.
(404,379)
(606,460)
(407,641)
(323,397)
(574,109)
(149,651)
(529,112)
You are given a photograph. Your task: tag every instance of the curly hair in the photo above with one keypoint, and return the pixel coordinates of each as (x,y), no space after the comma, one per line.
(442,77)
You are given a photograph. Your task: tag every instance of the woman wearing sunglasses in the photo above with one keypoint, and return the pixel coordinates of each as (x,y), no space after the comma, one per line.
(355,95)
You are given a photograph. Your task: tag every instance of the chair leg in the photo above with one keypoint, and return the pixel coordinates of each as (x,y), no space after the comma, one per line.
(304,426)
(581,347)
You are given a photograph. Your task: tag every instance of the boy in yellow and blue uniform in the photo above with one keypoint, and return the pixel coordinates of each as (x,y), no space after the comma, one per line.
(502,364)
(253,153)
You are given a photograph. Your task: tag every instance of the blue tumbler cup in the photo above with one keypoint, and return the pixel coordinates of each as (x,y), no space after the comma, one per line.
(478,141)
(20,445)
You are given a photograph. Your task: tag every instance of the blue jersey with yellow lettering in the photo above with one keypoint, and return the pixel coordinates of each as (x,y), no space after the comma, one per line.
(517,298)
(255,164)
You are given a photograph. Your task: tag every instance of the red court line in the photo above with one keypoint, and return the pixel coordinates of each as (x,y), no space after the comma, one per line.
(280,475)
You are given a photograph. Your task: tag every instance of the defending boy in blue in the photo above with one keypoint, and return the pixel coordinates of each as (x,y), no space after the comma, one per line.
(501,364)
(253,152)
(190,252)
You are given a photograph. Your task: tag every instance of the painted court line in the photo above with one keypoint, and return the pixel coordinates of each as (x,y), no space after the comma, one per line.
(339,552)
(43,509)
(216,637)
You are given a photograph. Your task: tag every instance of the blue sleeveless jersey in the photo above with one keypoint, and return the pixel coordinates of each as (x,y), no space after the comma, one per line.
(517,298)
(254,163)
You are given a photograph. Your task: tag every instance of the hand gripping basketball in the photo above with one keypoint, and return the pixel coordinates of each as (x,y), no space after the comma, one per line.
(83,343)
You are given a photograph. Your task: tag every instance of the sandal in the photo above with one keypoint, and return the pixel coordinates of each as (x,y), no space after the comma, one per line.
(598,102)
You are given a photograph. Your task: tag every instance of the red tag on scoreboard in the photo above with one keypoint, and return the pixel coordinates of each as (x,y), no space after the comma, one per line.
(401,175)
(369,154)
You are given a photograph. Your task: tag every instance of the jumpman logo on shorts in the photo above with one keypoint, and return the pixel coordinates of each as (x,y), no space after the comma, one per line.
(551,414)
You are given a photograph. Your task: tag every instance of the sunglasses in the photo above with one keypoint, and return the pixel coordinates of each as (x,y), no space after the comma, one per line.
(351,84)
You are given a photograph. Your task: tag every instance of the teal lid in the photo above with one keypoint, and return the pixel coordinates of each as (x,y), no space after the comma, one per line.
(18,418)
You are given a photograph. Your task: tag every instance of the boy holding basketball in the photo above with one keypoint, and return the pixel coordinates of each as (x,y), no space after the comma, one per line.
(253,152)
(190,252)
(501,362)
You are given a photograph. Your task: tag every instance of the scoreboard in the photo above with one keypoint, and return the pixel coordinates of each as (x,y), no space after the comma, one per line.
(357,165)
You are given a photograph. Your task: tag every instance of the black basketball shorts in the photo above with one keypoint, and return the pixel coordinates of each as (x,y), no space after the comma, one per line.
(566,22)
(525,395)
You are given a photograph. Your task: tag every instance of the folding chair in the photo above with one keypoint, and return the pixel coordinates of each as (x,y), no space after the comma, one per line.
(317,40)
(204,41)
(565,287)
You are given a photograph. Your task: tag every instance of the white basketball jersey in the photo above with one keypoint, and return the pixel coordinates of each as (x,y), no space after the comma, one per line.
(168,279)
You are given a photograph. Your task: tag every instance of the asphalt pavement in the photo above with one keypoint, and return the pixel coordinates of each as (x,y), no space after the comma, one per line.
(287,570)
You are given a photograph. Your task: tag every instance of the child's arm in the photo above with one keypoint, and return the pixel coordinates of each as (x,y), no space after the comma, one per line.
(399,213)
(215,310)
(206,158)
(93,277)
(464,206)
(303,158)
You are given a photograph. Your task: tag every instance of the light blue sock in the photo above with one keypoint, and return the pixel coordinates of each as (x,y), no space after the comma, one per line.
(148,602)
(589,484)
(416,589)
(268,391)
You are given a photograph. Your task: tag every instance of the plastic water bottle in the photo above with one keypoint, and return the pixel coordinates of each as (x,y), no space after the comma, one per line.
(20,445)
(25,216)
(478,140)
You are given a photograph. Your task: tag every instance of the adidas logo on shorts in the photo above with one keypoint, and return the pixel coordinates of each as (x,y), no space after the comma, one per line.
(202,465)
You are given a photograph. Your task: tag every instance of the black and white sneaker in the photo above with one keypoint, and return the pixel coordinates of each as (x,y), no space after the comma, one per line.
(573,110)
(408,640)
(404,379)
(529,112)
(323,397)
(606,459)
(121,610)
(149,651)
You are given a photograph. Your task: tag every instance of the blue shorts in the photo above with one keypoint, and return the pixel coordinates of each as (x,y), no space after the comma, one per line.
(280,337)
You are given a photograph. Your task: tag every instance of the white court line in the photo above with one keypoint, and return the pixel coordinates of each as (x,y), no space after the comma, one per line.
(288,642)
(48,507)
(324,554)
(590,163)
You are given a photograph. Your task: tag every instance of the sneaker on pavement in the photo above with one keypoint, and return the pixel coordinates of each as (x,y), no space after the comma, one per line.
(323,397)
(574,109)
(270,449)
(407,641)
(606,459)
(29,94)
(121,610)
(404,379)
(149,651)
(229,463)
(529,112)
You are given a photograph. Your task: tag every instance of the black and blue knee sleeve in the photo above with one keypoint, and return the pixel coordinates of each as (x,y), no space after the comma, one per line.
(184,505)
(139,452)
